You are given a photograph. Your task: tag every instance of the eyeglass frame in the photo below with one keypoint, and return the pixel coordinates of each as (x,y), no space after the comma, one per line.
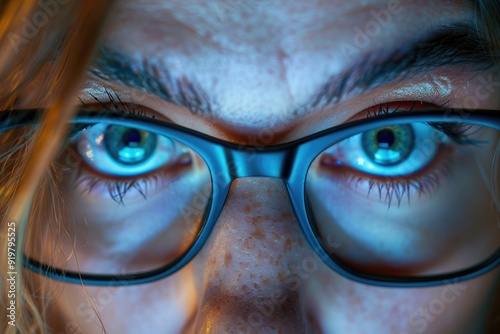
(233,161)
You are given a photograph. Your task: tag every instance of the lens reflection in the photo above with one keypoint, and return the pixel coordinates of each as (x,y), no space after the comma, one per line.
(430,211)
(401,201)
(107,216)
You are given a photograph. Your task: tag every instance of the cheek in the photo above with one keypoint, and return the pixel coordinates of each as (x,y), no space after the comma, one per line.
(346,307)
(142,233)
(128,309)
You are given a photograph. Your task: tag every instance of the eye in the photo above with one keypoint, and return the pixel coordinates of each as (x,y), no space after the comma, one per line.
(139,197)
(121,151)
(401,197)
(396,150)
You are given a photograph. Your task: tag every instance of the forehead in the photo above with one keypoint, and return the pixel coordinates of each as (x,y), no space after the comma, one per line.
(261,60)
(256,19)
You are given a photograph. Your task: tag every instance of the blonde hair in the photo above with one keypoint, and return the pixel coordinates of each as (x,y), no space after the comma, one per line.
(63,33)
(67,40)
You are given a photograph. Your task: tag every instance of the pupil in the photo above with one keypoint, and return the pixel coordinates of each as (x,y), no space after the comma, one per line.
(132,138)
(385,138)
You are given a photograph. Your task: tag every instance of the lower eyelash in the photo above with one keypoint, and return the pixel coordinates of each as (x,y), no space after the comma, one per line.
(424,182)
(398,189)
(116,189)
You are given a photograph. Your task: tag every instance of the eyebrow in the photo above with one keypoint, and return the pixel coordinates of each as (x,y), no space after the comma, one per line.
(447,45)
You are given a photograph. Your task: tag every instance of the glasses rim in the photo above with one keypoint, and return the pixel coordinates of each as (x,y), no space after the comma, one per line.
(233,161)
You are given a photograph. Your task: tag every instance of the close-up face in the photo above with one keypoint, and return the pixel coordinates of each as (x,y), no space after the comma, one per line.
(262,73)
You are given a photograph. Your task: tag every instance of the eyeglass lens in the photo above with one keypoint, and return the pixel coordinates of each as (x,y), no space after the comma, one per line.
(401,200)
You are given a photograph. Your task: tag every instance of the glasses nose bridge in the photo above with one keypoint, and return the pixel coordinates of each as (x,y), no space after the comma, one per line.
(261,162)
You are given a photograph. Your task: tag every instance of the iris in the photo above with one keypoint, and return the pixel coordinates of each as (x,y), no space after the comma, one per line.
(390,145)
(129,146)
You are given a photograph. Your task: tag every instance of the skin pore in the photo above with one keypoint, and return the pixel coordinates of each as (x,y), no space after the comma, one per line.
(259,63)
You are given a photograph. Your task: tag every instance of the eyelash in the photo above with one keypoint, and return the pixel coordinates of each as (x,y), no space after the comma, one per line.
(398,188)
(427,183)
(456,132)
(117,189)
(117,106)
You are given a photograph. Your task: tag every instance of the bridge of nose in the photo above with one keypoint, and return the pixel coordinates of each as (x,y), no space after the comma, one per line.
(247,259)
(255,162)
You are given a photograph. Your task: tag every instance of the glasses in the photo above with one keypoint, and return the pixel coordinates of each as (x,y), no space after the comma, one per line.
(403,199)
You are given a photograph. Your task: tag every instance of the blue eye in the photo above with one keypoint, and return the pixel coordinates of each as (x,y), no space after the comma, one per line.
(389,145)
(129,146)
(123,151)
(392,150)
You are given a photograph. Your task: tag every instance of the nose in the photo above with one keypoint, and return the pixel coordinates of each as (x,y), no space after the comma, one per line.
(248,273)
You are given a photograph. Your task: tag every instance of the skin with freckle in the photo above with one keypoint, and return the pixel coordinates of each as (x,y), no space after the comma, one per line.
(260,60)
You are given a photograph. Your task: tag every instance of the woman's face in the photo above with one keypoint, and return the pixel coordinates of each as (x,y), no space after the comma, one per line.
(260,63)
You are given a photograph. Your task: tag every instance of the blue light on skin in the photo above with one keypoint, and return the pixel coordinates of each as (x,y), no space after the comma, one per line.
(260,64)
